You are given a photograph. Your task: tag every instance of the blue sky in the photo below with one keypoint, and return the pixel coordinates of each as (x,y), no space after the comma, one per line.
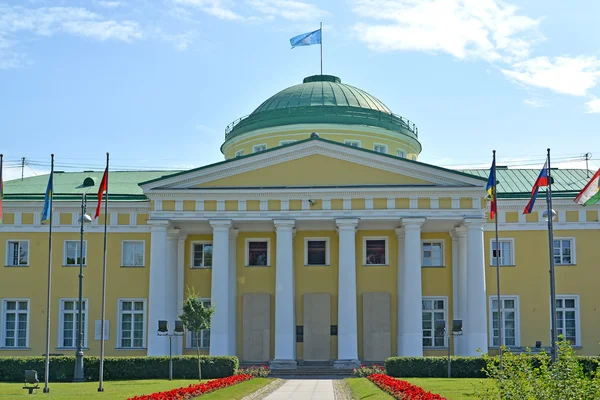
(156,82)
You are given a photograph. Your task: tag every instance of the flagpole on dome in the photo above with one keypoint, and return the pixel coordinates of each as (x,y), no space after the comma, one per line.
(47,216)
(550,216)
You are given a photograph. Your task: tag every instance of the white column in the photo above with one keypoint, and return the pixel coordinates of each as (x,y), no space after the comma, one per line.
(460,285)
(179,344)
(171,278)
(410,310)
(400,235)
(219,292)
(347,311)
(285,331)
(233,234)
(476,318)
(157,297)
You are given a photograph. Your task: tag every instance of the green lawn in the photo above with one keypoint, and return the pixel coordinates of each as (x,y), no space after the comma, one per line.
(452,389)
(123,389)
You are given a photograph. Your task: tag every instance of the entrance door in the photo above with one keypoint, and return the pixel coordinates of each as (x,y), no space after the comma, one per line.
(256,326)
(317,326)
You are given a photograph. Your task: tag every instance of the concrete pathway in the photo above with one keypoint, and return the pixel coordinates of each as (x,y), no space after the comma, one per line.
(304,389)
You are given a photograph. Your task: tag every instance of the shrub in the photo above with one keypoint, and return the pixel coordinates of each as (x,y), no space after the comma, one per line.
(435,367)
(12,369)
(401,389)
(256,371)
(193,391)
(364,370)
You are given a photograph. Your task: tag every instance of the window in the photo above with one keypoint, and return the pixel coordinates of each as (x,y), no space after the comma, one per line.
(17,253)
(564,251)
(353,143)
(15,328)
(375,251)
(400,153)
(259,147)
(506,254)
(380,148)
(239,153)
(132,322)
(433,254)
(434,309)
(509,320)
(316,251)
(132,253)
(567,318)
(69,323)
(257,253)
(72,252)
(284,142)
(202,255)
(203,337)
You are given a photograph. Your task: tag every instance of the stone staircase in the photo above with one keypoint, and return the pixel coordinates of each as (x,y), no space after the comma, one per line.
(307,370)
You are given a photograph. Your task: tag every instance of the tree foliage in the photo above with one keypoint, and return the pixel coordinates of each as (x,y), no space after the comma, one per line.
(196,318)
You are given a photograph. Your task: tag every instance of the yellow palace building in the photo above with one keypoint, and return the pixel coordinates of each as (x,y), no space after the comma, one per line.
(320,237)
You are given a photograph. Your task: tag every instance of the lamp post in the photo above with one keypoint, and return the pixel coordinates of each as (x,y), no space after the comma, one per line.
(78,376)
(549,219)
(440,325)
(163,330)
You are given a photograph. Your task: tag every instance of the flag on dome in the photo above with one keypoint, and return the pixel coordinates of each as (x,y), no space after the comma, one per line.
(590,194)
(306,39)
(542,180)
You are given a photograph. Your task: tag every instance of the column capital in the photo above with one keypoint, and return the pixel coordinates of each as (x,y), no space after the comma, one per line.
(221,225)
(474,223)
(459,232)
(158,224)
(284,224)
(412,223)
(346,223)
(233,233)
(400,232)
(172,233)
(182,237)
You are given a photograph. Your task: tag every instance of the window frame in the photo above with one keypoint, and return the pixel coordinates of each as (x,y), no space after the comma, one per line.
(564,297)
(445,311)
(120,324)
(188,334)
(259,145)
(493,309)
(238,153)
(442,251)
(387,250)
(192,250)
(385,146)
(400,153)
(512,252)
(77,255)
(327,251)
(61,324)
(573,251)
(247,249)
(123,265)
(351,142)
(3,324)
(8,242)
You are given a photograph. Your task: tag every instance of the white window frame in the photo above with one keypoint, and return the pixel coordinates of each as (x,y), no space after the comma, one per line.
(120,323)
(493,309)
(203,243)
(123,242)
(254,150)
(400,153)
(327,251)
(445,311)
(61,320)
(3,324)
(247,250)
(385,146)
(442,251)
(284,142)
(8,242)
(77,255)
(564,297)
(239,153)
(573,251)
(512,251)
(387,250)
(353,143)
(188,334)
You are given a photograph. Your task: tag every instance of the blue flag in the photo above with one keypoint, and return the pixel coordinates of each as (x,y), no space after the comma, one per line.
(48,199)
(306,39)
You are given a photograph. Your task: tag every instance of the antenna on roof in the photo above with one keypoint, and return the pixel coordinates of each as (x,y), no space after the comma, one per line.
(587,156)
(22,167)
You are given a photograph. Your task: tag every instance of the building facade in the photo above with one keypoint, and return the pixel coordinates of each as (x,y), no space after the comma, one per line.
(321,237)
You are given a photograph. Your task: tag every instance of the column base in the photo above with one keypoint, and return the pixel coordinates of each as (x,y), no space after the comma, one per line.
(283,364)
(346,364)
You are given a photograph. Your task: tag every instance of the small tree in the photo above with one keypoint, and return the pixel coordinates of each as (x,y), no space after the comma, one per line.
(196,317)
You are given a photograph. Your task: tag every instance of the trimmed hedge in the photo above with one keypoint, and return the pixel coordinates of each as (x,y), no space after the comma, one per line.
(12,369)
(462,367)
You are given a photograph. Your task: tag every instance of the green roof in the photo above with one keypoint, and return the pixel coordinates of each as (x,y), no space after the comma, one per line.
(517,183)
(321,99)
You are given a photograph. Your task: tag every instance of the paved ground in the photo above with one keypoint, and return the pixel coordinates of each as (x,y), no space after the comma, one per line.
(304,389)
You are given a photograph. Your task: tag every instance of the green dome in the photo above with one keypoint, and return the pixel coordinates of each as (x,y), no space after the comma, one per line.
(321,99)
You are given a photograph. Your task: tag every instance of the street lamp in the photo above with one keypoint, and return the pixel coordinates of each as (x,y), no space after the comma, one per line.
(163,330)
(78,376)
(440,327)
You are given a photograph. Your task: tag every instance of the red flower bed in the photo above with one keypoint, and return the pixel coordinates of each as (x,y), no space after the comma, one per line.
(401,389)
(192,391)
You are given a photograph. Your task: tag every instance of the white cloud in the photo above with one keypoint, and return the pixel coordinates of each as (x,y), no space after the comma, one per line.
(288,9)
(483,29)
(222,9)
(593,106)
(535,102)
(567,75)
(108,4)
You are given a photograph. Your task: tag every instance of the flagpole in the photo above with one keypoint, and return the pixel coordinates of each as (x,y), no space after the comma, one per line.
(497,257)
(553,333)
(48,298)
(321,29)
(101,387)
(1,186)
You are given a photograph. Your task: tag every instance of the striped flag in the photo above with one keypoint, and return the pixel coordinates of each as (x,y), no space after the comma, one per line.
(542,180)
(590,194)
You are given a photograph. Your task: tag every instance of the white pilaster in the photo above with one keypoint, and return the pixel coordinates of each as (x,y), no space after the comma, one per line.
(233,234)
(157,300)
(219,293)
(178,346)
(171,277)
(400,235)
(475,322)
(460,281)
(347,309)
(285,331)
(410,308)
